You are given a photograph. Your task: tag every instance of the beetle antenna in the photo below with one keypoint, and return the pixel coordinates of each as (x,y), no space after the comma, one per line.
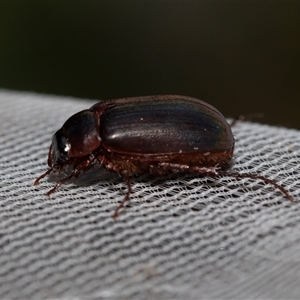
(256,176)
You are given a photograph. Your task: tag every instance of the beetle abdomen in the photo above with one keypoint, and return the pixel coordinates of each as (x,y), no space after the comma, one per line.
(129,165)
(176,125)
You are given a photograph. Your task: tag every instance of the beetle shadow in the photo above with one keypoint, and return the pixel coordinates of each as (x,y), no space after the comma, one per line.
(149,188)
(90,177)
(97,175)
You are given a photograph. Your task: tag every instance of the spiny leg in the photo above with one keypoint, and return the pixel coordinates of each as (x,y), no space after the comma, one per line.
(215,172)
(256,176)
(64,180)
(74,173)
(42,176)
(126,198)
(102,160)
(84,165)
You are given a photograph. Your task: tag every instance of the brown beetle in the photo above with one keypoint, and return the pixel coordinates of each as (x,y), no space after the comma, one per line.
(152,134)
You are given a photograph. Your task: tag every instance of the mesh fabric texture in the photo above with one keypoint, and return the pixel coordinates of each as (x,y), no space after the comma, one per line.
(180,237)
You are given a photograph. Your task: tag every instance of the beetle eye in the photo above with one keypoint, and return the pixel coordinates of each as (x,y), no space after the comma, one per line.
(63,145)
(59,151)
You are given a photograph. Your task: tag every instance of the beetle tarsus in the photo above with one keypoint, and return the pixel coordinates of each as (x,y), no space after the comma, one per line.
(215,172)
(256,176)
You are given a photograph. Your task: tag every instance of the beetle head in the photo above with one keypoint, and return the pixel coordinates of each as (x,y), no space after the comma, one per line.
(78,137)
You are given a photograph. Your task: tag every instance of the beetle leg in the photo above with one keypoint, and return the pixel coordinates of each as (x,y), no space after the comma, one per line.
(126,198)
(110,166)
(59,184)
(82,166)
(101,160)
(42,176)
(215,172)
(256,176)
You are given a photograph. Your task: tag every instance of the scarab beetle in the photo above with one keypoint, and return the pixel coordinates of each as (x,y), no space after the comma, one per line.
(151,134)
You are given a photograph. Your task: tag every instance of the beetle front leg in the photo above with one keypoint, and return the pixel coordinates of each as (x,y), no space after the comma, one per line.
(64,180)
(36,182)
(84,165)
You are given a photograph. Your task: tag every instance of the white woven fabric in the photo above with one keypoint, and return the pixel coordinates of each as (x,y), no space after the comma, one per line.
(181,237)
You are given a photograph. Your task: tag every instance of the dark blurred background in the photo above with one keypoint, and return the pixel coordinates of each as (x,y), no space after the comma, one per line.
(240,57)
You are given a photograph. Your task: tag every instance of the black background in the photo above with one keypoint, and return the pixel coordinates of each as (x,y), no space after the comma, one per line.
(242,57)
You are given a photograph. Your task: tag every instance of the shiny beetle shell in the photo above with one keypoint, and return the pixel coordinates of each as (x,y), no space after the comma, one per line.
(151,134)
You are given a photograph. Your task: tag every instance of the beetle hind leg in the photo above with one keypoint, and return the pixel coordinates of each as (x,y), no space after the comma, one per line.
(260,177)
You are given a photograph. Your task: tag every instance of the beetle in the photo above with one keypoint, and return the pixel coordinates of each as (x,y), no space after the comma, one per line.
(159,134)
